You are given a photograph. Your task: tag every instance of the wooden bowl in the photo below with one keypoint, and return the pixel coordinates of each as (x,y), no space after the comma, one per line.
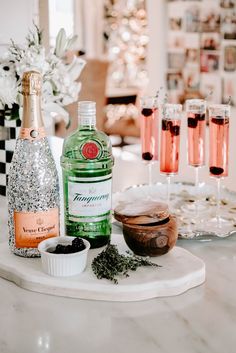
(151,240)
(148,228)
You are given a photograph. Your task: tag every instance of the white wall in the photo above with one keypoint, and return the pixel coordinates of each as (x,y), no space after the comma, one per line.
(157,48)
(93,27)
(16,17)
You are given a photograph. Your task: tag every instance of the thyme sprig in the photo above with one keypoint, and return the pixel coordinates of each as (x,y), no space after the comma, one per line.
(110,263)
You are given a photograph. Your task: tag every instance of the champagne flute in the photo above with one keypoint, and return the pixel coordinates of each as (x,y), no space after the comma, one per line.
(219,116)
(196,121)
(170,142)
(149,131)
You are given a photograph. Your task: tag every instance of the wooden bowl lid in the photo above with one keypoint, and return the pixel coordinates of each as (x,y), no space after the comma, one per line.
(143,212)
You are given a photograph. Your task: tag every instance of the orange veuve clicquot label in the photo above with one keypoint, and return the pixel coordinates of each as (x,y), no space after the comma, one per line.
(33,227)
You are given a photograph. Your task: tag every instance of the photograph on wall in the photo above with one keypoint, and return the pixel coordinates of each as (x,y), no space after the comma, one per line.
(229,90)
(192,40)
(176,41)
(191,79)
(176,60)
(174,81)
(192,56)
(206,34)
(211,83)
(228,25)
(210,17)
(210,41)
(230,58)
(192,18)
(209,62)
(227,4)
(175,23)
(175,16)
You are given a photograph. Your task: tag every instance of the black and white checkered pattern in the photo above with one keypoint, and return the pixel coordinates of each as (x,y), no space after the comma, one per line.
(7,149)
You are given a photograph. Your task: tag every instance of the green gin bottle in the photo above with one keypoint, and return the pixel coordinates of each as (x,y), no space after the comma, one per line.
(87,163)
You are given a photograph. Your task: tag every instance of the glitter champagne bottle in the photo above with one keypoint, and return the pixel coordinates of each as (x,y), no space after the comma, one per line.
(33,190)
(87,175)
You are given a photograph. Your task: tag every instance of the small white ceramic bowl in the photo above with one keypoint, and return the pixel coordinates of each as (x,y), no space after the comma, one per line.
(61,265)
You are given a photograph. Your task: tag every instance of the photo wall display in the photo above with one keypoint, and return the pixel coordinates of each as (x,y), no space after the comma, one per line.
(202,49)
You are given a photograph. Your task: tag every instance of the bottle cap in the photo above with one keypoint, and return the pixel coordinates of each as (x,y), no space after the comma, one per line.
(31,83)
(87,108)
(87,112)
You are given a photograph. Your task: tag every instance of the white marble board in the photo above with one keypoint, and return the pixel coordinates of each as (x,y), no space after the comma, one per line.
(180,271)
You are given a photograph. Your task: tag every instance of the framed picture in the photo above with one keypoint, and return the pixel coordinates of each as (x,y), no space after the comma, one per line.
(210,41)
(230,58)
(211,82)
(228,25)
(192,40)
(191,79)
(227,4)
(210,17)
(192,18)
(229,90)
(175,16)
(176,41)
(209,62)
(192,56)
(175,23)
(174,81)
(176,60)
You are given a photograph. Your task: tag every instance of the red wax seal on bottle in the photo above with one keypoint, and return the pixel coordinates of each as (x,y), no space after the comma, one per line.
(90,150)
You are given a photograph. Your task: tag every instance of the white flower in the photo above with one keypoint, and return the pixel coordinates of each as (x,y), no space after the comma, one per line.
(7,68)
(34,59)
(60,85)
(8,91)
(75,68)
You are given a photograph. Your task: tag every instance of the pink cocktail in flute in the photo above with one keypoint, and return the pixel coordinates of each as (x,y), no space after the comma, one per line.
(170,139)
(219,145)
(219,116)
(149,128)
(196,121)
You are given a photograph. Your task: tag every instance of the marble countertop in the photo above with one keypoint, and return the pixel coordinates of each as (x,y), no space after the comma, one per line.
(200,320)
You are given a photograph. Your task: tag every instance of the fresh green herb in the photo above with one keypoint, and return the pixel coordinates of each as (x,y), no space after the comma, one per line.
(109,263)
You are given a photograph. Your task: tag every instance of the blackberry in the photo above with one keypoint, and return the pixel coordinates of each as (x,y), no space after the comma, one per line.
(192,122)
(166,124)
(78,244)
(200,117)
(216,170)
(147,111)
(60,249)
(147,156)
(218,120)
(175,130)
(68,249)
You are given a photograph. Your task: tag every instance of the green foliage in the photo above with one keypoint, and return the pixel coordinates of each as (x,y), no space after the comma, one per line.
(109,263)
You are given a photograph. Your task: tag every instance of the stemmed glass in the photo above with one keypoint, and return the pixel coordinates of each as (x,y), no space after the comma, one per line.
(219,116)
(170,142)
(149,131)
(196,120)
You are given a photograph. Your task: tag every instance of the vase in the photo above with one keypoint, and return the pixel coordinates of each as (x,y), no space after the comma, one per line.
(9,130)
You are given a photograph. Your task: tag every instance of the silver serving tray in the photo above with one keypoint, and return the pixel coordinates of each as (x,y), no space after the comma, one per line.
(182,204)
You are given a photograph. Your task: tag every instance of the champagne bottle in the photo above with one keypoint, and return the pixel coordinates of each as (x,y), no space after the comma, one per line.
(33,189)
(87,174)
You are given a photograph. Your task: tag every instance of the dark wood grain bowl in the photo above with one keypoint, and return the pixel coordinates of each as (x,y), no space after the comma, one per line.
(151,239)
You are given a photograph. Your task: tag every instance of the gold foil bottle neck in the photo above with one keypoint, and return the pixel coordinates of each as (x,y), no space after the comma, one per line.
(31,83)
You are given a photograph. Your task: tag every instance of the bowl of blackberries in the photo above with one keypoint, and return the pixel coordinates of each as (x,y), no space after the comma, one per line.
(64,256)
